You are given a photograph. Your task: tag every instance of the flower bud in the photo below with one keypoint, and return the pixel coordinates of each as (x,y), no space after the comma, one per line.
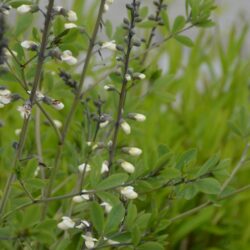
(30,45)
(66,223)
(68,58)
(107,207)
(89,241)
(84,167)
(129,193)
(81,198)
(139,76)
(24,8)
(109,45)
(125,127)
(132,151)
(105,167)
(57,104)
(127,166)
(137,117)
(83,224)
(72,16)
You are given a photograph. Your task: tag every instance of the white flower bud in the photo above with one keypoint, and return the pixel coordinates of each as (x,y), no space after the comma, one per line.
(126,127)
(72,16)
(82,197)
(129,193)
(132,151)
(24,8)
(39,95)
(18,131)
(68,58)
(128,77)
(107,207)
(105,167)
(25,111)
(137,117)
(69,26)
(109,45)
(104,124)
(83,224)
(89,241)
(106,7)
(57,123)
(30,45)
(66,223)
(127,166)
(57,104)
(84,167)
(141,76)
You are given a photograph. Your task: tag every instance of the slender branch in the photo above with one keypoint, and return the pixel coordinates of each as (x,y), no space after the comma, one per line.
(123,91)
(76,101)
(236,169)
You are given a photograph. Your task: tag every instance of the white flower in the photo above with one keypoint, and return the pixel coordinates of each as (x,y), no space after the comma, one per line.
(68,26)
(132,151)
(57,104)
(68,58)
(141,76)
(128,77)
(24,8)
(81,198)
(84,167)
(25,111)
(83,224)
(109,87)
(126,127)
(66,223)
(106,206)
(106,7)
(109,45)
(104,124)
(18,131)
(127,166)
(72,16)
(29,45)
(105,167)
(89,241)
(5,96)
(137,117)
(129,193)
(57,123)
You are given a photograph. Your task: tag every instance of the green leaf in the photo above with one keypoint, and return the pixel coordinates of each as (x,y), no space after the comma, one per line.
(97,217)
(186,158)
(114,219)
(185,40)
(131,215)
(112,181)
(179,23)
(208,165)
(208,185)
(150,246)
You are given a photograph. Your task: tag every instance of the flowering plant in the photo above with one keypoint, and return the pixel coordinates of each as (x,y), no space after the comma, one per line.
(84,171)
